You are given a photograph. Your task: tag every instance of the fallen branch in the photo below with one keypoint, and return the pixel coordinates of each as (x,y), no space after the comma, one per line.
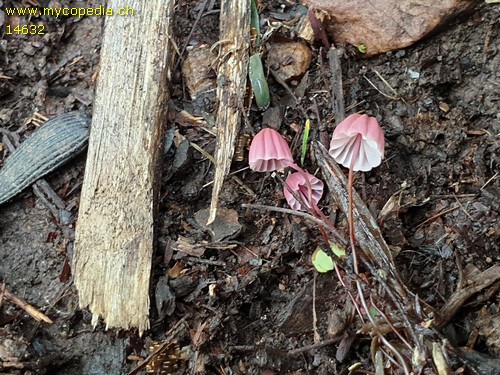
(376,253)
(339,238)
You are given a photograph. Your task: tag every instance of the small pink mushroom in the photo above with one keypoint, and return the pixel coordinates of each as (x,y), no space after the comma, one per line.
(297,183)
(269,152)
(358,143)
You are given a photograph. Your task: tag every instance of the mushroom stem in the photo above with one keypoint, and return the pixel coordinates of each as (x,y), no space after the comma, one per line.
(352,235)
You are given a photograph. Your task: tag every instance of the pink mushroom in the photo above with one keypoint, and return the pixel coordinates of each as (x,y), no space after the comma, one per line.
(296,182)
(269,152)
(358,143)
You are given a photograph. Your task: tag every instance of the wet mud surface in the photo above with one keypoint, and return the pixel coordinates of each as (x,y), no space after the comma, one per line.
(239,299)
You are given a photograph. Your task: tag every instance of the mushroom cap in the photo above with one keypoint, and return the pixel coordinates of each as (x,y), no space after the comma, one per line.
(365,130)
(297,183)
(269,152)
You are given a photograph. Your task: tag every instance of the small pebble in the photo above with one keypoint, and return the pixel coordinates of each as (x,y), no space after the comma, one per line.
(413,74)
(401,53)
(444,106)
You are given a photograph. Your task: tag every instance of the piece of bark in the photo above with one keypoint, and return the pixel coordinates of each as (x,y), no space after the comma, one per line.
(198,72)
(474,285)
(114,234)
(337,97)
(231,87)
(385,25)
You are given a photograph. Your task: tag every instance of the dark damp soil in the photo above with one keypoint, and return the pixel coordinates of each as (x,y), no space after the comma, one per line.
(241,304)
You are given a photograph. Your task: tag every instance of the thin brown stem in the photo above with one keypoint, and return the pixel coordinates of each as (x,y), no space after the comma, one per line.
(314,346)
(36,314)
(397,302)
(398,355)
(352,235)
(390,324)
(321,215)
(355,303)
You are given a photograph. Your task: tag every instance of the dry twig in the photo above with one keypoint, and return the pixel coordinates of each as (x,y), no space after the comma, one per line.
(35,314)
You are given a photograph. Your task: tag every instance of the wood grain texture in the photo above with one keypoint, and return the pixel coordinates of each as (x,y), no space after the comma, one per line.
(114,234)
(475,283)
(231,84)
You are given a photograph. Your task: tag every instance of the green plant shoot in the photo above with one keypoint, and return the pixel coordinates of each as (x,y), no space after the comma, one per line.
(254,22)
(373,312)
(362,48)
(305,138)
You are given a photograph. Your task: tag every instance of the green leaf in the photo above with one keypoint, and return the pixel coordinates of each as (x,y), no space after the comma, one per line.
(324,262)
(305,138)
(337,250)
(258,81)
(373,312)
(254,22)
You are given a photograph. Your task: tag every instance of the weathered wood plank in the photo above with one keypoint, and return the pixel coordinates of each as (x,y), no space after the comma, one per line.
(114,234)
(231,84)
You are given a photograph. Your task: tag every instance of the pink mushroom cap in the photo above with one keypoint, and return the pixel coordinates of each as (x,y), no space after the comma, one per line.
(269,152)
(297,183)
(343,146)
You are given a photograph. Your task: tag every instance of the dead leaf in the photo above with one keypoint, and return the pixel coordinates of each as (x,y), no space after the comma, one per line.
(249,254)
(306,30)
(391,206)
(187,246)
(224,227)
(176,270)
(386,25)
(439,361)
(198,70)
(289,61)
